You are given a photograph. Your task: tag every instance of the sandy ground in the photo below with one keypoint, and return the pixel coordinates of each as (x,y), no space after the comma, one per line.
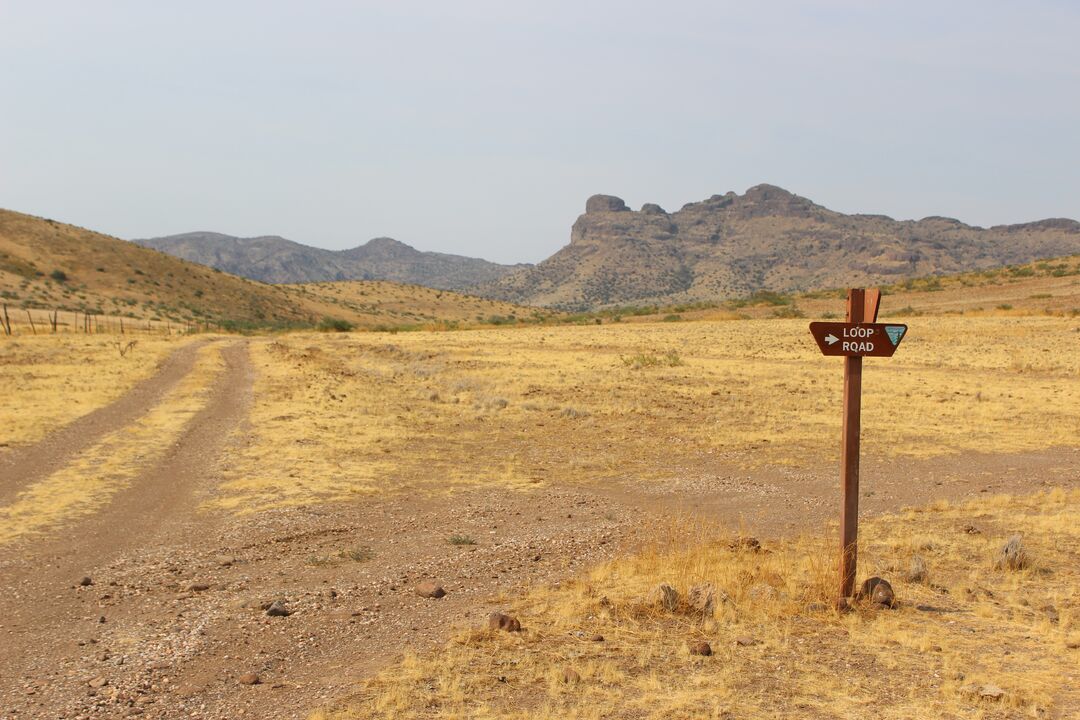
(175,615)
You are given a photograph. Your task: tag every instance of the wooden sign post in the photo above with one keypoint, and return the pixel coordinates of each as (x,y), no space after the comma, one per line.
(861,336)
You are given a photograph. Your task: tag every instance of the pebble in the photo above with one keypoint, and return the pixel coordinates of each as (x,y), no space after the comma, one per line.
(278,609)
(430,589)
(248,679)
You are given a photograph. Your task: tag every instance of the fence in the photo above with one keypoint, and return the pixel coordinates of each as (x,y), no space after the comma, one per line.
(35,321)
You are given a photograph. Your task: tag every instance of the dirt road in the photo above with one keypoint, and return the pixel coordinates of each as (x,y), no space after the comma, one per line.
(175,615)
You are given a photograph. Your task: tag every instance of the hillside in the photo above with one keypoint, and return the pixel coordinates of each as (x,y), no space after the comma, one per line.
(46,265)
(274,259)
(766,239)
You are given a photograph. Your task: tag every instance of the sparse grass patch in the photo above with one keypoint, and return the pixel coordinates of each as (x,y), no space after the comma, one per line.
(460,540)
(639,361)
(973,643)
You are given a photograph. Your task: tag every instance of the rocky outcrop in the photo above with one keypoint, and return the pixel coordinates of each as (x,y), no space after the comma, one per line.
(764,239)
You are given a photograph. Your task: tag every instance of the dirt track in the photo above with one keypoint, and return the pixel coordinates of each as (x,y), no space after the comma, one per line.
(174,615)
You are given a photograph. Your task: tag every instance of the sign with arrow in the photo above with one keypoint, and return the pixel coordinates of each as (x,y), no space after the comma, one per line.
(861,336)
(841,339)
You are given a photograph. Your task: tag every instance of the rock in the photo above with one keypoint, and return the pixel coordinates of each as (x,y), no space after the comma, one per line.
(917,573)
(500,621)
(248,679)
(664,597)
(570,676)
(1051,613)
(991,692)
(86,581)
(970,530)
(653,209)
(701,648)
(430,589)
(1013,555)
(597,638)
(225,560)
(746,544)
(198,587)
(98,682)
(604,203)
(702,598)
(278,609)
(746,641)
(878,591)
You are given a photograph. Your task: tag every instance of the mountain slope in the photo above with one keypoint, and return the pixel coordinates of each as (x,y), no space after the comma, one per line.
(274,259)
(765,239)
(47,265)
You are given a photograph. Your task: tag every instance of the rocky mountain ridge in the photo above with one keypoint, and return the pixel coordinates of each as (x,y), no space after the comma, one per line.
(765,239)
(274,259)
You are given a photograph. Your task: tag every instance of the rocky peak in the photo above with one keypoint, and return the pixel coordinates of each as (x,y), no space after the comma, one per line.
(653,209)
(604,203)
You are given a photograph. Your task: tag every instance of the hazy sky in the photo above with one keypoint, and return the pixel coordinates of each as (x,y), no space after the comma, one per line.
(481,127)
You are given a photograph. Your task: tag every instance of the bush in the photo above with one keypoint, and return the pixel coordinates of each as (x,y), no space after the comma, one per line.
(330,324)
(58,275)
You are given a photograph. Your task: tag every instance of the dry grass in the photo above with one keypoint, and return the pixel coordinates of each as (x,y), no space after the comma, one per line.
(966,627)
(97,474)
(52,380)
(337,416)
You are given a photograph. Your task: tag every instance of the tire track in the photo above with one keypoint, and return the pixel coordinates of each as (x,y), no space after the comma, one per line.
(22,466)
(156,512)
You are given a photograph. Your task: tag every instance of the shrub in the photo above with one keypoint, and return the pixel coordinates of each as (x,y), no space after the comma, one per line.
(58,275)
(329,324)
(460,540)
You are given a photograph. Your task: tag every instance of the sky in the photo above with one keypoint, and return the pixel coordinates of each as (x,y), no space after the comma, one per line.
(481,127)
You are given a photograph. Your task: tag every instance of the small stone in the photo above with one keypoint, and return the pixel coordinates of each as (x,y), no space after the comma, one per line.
(664,597)
(702,598)
(746,641)
(98,682)
(225,560)
(430,589)
(991,692)
(198,587)
(277,609)
(86,581)
(878,591)
(500,621)
(597,638)
(570,676)
(701,648)
(248,679)
(917,573)
(971,530)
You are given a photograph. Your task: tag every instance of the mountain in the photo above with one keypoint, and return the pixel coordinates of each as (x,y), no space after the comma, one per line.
(51,266)
(765,239)
(274,259)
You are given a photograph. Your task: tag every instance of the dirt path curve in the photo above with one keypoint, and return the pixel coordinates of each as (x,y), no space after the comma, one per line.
(24,465)
(159,508)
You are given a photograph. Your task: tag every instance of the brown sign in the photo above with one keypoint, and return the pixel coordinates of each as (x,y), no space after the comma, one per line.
(857,339)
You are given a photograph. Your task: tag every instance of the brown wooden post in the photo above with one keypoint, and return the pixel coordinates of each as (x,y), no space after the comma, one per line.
(862,306)
(7,321)
(30,317)
(54,319)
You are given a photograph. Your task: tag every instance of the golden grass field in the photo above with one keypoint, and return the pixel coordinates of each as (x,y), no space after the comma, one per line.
(968,640)
(338,416)
(52,380)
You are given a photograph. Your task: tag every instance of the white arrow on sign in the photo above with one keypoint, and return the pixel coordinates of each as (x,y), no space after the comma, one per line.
(830,338)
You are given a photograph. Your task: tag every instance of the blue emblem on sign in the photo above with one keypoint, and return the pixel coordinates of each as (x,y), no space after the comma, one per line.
(895,333)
